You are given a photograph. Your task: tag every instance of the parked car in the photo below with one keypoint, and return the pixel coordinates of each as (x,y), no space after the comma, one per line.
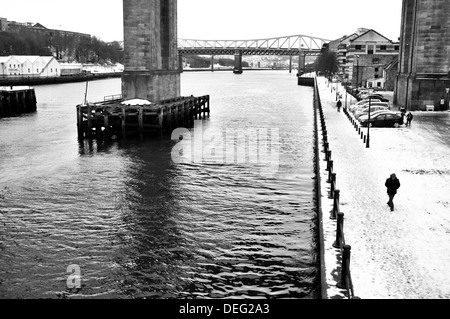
(382,119)
(361,103)
(373,96)
(366,105)
(373,109)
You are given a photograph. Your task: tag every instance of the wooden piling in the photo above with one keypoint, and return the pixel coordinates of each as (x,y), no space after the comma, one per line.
(110,118)
(16,102)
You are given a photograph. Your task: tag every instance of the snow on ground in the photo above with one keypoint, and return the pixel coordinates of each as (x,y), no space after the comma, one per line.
(404,254)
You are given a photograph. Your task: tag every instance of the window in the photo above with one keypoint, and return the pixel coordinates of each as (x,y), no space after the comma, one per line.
(51,70)
(29,71)
(358,47)
(37,70)
(396,48)
(376,69)
(376,76)
(370,49)
(383,48)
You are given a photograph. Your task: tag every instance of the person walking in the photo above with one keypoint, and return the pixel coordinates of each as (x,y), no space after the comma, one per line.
(392,184)
(409,118)
(339,104)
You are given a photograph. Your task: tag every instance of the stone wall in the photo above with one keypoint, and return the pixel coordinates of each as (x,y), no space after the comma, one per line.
(151,53)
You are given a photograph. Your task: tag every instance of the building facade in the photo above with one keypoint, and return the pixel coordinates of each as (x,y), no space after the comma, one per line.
(362,57)
(424,62)
(29,66)
(14,26)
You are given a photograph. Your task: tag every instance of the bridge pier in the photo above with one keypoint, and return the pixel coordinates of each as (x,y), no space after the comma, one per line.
(151,54)
(290,64)
(180,63)
(237,62)
(301,62)
(212,63)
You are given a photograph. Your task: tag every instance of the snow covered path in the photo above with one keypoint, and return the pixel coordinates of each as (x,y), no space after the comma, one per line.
(403,254)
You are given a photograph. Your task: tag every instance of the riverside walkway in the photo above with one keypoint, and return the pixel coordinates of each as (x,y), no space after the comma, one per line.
(402,254)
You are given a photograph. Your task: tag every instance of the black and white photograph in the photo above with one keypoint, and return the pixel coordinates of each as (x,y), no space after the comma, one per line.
(220,156)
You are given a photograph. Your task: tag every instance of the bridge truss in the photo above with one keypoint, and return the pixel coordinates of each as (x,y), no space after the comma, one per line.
(288,45)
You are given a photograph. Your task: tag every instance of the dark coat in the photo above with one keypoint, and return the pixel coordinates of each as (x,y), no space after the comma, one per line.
(339,103)
(392,185)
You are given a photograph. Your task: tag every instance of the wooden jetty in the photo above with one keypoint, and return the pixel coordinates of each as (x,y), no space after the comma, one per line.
(116,117)
(15,101)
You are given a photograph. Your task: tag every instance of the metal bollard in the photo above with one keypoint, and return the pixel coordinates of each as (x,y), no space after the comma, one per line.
(330,170)
(335,211)
(339,230)
(345,270)
(364,139)
(333,184)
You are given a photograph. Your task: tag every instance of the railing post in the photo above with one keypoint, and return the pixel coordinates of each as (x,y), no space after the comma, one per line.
(333,184)
(339,230)
(330,170)
(335,211)
(345,270)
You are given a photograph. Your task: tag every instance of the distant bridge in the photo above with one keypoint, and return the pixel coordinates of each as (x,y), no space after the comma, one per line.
(289,45)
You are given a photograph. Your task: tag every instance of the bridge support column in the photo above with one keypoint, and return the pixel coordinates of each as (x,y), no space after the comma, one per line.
(151,55)
(301,62)
(237,62)
(180,63)
(212,63)
(290,64)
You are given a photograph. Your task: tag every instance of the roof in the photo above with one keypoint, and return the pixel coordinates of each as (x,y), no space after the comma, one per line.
(391,64)
(38,25)
(368,31)
(23,58)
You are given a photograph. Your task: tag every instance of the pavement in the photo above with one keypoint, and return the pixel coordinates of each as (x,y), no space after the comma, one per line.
(404,254)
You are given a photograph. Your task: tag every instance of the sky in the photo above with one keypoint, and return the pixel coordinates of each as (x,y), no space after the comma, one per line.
(220,20)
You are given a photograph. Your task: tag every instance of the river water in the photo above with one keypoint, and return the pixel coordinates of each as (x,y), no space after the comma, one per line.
(135,224)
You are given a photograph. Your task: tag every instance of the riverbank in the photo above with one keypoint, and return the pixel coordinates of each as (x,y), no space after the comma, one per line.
(5,81)
(394,255)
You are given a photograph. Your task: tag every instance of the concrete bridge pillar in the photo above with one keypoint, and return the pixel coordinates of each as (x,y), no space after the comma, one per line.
(180,63)
(151,54)
(237,62)
(301,62)
(212,63)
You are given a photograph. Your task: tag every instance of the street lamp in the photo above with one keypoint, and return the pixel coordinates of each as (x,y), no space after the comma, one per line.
(448,102)
(357,71)
(368,122)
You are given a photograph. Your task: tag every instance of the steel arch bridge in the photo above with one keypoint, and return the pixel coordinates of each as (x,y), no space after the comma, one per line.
(287,45)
